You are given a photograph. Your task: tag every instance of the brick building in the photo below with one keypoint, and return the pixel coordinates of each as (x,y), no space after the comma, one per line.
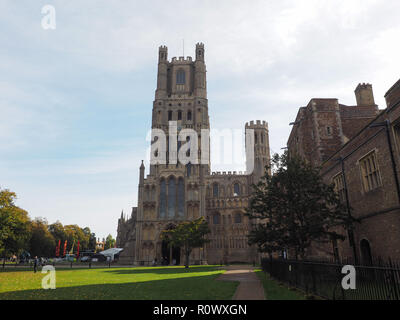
(358,149)
(324,125)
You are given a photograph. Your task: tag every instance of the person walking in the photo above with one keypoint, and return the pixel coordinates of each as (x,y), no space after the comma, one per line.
(35,264)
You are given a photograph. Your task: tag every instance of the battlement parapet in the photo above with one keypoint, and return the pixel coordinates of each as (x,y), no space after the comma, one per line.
(182,60)
(228,173)
(364,85)
(258,124)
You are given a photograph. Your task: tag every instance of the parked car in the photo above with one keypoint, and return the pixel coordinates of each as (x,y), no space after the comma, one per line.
(98,258)
(85,259)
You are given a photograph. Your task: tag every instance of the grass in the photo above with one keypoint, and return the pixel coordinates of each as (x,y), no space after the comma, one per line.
(275,291)
(143,283)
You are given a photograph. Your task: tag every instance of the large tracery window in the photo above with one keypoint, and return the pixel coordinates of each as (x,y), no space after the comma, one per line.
(180,77)
(172,198)
(180,80)
(181,198)
(163,198)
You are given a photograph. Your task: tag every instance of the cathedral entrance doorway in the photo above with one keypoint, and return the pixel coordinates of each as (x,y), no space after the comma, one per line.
(176,255)
(170,256)
(165,256)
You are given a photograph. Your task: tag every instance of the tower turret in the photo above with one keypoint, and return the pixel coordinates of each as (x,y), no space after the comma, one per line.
(364,95)
(200,51)
(141,178)
(261,153)
(162,75)
(200,83)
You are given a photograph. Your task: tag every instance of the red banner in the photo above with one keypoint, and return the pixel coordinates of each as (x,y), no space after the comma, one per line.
(77,252)
(65,247)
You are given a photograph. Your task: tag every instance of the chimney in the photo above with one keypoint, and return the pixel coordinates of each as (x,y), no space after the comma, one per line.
(364,95)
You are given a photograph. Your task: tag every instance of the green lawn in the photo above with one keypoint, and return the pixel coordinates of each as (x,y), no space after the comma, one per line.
(164,283)
(275,291)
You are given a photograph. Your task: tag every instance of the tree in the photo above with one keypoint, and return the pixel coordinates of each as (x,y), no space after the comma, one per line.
(110,242)
(74,234)
(295,208)
(92,242)
(17,232)
(14,225)
(188,235)
(58,232)
(42,242)
(88,234)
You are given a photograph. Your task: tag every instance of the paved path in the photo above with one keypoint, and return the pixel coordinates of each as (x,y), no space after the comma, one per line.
(250,287)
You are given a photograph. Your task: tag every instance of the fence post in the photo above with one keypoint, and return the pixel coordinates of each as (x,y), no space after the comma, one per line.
(393,279)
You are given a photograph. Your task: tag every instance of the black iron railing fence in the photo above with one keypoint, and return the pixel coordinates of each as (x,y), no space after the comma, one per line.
(380,281)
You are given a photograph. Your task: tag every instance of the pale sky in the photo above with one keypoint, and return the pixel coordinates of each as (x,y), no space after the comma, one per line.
(75,102)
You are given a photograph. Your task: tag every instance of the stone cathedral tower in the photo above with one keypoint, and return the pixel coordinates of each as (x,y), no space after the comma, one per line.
(176,190)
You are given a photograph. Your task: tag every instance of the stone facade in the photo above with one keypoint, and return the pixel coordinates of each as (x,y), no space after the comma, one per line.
(363,163)
(174,192)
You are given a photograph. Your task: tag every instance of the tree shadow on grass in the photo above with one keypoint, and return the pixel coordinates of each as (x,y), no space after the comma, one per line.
(188,288)
(162,270)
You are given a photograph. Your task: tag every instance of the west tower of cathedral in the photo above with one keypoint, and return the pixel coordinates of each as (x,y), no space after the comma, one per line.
(174,190)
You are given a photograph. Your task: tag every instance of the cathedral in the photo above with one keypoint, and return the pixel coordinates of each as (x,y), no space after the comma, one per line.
(176,191)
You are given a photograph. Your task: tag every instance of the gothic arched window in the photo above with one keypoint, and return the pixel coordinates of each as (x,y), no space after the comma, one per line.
(189,115)
(169,115)
(171,197)
(163,198)
(238,218)
(236,189)
(181,198)
(366,256)
(179,115)
(180,77)
(189,169)
(215,190)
